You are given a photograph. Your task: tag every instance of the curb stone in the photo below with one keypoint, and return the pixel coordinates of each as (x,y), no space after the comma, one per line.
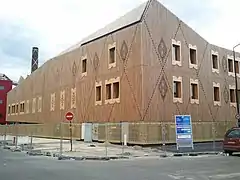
(90,158)
(6,147)
(164,155)
(195,154)
(35,153)
(16,149)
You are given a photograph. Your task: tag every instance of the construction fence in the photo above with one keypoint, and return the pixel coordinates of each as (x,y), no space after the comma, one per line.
(134,133)
(108,139)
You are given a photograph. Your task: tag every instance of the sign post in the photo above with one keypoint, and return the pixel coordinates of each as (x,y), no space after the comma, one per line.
(69,117)
(184,137)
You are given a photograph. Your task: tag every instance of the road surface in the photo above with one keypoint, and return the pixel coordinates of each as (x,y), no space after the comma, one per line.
(22,167)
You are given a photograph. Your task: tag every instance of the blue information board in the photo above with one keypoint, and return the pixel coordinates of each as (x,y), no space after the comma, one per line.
(184,136)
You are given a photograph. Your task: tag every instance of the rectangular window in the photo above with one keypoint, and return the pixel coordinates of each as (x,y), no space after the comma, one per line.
(176,52)
(1,101)
(39,104)
(116,90)
(22,107)
(216,93)
(53,100)
(232,96)
(62,100)
(98,93)
(236,64)
(34,105)
(108,91)
(84,65)
(73,98)
(230,65)
(27,107)
(215,61)
(194,91)
(13,109)
(9,109)
(233,133)
(193,56)
(2,87)
(17,109)
(112,57)
(177,91)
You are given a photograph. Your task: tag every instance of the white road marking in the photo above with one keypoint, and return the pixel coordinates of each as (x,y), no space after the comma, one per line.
(224,176)
(176,177)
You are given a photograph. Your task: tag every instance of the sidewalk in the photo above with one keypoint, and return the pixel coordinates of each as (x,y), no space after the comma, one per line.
(94,151)
(81,149)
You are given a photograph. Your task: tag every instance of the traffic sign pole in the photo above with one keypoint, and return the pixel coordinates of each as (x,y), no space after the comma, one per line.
(70,134)
(69,116)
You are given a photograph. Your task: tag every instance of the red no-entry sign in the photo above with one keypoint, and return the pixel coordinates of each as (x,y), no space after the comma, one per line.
(69,116)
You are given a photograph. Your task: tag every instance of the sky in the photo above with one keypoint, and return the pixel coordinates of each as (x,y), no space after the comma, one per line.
(55,25)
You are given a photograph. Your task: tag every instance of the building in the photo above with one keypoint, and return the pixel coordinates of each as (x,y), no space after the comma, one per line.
(5,87)
(147,66)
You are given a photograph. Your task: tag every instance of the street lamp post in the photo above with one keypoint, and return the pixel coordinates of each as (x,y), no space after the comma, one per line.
(236,84)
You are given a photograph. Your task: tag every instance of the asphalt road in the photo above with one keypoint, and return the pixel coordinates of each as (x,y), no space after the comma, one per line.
(22,167)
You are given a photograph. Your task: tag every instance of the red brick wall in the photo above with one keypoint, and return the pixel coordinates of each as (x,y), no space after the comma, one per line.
(5,87)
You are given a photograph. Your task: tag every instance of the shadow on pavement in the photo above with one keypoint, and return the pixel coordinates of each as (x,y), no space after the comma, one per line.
(198,147)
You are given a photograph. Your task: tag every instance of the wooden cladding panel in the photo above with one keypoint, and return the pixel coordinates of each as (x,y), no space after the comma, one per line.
(157,110)
(65,72)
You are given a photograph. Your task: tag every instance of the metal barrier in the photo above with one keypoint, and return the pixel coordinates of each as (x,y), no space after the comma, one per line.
(110,139)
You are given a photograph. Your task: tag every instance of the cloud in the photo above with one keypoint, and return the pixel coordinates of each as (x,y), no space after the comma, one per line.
(15,48)
(55,25)
(214,20)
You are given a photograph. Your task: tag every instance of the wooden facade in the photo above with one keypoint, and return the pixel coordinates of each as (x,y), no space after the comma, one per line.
(139,63)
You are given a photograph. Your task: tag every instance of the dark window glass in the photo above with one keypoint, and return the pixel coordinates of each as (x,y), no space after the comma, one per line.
(234,133)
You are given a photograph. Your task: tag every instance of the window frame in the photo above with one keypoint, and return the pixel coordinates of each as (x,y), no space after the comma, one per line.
(194,81)
(27,106)
(114,64)
(176,99)
(22,107)
(73,98)
(17,108)
(193,47)
(39,104)
(82,59)
(9,110)
(62,100)
(53,102)
(214,70)
(106,99)
(233,66)
(34,105)
(238,60)
(217,85)
(177,43)
(98,84)
(232,104)
(112,81)
(13,109)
